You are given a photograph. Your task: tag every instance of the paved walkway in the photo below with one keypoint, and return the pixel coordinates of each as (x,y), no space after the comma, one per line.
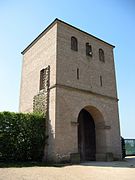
(85,171)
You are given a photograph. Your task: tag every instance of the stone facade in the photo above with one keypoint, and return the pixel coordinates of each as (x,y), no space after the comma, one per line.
(77,81)
(40,101)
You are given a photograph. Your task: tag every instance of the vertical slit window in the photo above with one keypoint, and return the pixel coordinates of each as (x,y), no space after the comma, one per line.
(101,81)
(77,73)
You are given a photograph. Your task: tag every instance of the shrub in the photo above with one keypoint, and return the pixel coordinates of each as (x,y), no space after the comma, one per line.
(22,136)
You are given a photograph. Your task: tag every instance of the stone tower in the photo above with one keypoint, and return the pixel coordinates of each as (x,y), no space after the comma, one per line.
(70,75)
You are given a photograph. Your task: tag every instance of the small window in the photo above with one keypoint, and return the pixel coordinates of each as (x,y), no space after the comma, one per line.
(74,43)
(77,73)
(101,55)
(88,49)
(101,81)
(42,79)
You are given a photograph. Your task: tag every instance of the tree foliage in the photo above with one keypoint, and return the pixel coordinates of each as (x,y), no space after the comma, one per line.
(22,136)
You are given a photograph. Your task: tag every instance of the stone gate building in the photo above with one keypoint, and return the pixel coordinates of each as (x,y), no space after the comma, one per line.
(70,75)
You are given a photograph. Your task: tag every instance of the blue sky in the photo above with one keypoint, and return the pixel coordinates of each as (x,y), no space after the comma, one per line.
(110,20)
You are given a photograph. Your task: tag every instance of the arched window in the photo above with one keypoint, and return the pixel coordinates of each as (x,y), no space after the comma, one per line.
(74,43)
(101,55)
(88,49)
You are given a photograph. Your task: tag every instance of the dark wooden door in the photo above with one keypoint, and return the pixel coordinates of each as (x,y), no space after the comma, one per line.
(86,136)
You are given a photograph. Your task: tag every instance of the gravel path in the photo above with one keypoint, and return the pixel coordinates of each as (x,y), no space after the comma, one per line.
(86,171)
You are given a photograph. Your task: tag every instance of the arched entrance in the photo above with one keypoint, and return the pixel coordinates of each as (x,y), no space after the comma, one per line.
(86,136)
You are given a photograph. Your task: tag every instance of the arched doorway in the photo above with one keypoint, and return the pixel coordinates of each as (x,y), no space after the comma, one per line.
(86,136)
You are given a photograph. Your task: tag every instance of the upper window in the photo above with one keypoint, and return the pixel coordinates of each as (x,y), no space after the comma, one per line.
(101,55)
(74,43)
(88,49)
(42,79)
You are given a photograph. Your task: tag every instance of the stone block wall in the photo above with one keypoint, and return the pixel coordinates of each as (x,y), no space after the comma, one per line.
(37,57)
(40,101)
(65,95)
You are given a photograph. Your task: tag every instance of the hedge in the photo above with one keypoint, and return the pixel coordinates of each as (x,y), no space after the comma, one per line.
(22,136)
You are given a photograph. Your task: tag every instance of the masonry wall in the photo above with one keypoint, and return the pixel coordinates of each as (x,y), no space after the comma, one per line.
(74,94)
(105,113)
(69,95)
(90,67)
(38,57)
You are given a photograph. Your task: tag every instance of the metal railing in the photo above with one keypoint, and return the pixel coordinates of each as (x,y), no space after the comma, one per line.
(130,147)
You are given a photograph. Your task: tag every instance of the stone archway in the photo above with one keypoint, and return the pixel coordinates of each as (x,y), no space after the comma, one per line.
(91,134)
(86,136)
